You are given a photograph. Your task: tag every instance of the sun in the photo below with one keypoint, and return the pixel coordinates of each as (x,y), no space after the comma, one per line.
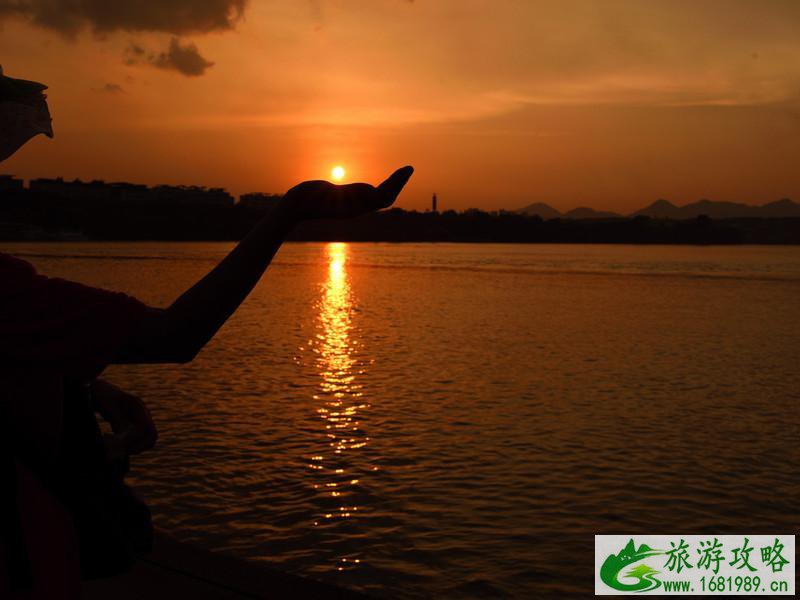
(338,172)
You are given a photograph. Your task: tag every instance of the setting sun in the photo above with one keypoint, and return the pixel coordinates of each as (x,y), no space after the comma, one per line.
(338,172)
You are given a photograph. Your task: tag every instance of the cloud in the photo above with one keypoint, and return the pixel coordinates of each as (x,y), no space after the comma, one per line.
(183,58)
(452,53)
(113,88)
(134,54)
(102,16)
(177,17)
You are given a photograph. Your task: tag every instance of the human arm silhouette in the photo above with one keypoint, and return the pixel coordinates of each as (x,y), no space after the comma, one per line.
(176,334)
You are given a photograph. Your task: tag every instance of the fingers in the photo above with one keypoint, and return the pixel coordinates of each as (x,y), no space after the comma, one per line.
(365,198)
(391,188)
(128,416)
(143,433)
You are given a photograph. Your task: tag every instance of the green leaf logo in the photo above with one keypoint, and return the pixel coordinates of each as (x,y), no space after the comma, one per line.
(630,556)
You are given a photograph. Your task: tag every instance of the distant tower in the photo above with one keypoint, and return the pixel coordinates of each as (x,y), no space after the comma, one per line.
(433,203)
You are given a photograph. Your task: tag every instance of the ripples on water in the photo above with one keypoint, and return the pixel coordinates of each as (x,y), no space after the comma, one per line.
(460,420)
(338,458)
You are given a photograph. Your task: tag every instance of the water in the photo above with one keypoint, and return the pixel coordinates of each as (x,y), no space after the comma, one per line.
(460,420)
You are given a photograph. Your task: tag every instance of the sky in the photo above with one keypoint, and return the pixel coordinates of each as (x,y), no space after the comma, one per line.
(497,103)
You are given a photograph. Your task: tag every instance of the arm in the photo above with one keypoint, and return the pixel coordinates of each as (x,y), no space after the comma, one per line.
(179,332)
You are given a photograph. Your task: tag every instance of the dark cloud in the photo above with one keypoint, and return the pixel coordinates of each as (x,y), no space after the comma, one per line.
(178,17)
(113,88)
(184,58)
(102,16)
(134,54)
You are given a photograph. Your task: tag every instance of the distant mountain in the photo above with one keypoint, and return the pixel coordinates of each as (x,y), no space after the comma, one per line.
(584,212)
(545,211)
(716,210)
(780,208)
(719,210)
(662,209)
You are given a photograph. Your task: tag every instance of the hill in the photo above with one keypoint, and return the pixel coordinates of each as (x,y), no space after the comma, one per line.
(540,209)
(660,209)
(779,208)
(584,212)
(716,209)
(664,209)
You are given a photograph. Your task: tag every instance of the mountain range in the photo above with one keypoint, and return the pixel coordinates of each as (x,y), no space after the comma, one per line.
(665,209)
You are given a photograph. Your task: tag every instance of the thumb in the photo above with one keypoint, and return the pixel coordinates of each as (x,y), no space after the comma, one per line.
(391,188)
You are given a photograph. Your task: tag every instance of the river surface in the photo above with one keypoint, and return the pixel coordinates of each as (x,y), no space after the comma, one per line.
(460,420)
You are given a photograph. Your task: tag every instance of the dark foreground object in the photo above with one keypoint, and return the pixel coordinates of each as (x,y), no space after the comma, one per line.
(177,570)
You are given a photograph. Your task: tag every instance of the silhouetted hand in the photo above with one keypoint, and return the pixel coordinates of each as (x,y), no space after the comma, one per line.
(133,427)
(325,200)
(23,113)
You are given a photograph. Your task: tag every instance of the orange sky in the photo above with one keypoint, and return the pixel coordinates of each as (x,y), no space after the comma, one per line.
(497,103)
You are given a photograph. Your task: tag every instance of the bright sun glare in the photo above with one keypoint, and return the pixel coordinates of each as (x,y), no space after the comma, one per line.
(338,172)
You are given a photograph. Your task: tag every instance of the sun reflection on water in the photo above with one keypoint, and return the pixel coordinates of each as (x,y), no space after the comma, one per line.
(340,402)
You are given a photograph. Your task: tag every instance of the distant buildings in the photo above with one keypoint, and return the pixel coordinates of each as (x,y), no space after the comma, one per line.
(192,196)
(73,190)
(101,192)
(9,183)
(132,193)
(260,202)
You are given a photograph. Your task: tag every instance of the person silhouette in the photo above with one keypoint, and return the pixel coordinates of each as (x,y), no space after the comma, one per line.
(64,511)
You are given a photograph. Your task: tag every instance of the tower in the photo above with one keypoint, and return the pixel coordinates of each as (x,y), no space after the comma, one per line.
(433,203)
